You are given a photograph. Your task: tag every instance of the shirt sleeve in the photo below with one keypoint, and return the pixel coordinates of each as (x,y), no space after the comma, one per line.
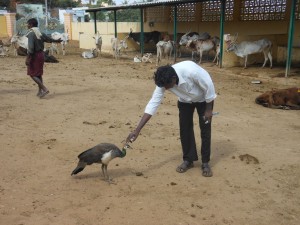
(155,101)
(206,84)
(47,39)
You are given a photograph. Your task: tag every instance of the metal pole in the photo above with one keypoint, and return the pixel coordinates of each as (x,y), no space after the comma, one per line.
(290,39)
(175,32)
(46,19)
(223,5)
(142,32)
(95,21)
(115,18)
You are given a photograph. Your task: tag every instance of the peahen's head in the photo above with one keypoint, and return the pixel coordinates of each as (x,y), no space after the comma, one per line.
(125,147)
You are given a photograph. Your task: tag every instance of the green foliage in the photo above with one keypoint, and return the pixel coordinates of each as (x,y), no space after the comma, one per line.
(4,3)
(125,15)
(63,3)
(128,15)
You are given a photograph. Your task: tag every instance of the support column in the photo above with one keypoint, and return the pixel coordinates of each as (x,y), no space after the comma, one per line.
(10,23)
(68,18)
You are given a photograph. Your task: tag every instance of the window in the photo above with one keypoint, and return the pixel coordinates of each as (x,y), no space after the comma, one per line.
(262,10)
(185,12)
(211,11)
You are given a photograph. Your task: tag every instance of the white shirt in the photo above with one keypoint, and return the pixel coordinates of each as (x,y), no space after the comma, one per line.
(195,85)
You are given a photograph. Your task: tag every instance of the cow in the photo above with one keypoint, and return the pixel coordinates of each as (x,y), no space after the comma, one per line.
(146,58)
(205,46)
(20,44)
(280,99)
(117,45)
(3,51)
(153,36)
(246,48)
(93,53)
(170,37)
(98,42)
(164,48)
(193,36)
(62,36)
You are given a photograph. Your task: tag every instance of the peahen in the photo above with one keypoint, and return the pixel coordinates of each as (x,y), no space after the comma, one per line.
(102,153)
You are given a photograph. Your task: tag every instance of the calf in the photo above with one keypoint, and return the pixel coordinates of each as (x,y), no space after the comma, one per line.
(146,58)
(280,99)
(62,36)
(93,53)
(164,48)
(246,48)
(117,45)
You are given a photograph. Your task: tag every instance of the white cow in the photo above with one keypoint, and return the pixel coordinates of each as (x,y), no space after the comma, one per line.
(3,51)
(117,45)
(62,36)
(246,48)
(164,48)
(93,53)
(98,42)
(19,42)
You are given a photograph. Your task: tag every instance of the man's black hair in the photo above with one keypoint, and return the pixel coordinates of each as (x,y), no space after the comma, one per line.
(33,22)
(164,75)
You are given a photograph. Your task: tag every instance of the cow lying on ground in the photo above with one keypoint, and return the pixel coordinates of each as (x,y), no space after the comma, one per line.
(93,53)
(280,99)
(49,58)
(147,58)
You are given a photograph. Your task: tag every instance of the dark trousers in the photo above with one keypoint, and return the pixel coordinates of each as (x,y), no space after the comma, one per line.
(187,136)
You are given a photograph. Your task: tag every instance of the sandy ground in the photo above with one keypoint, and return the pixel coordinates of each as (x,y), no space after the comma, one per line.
(101,100)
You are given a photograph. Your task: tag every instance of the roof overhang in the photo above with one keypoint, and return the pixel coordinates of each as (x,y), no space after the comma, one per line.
(145,5)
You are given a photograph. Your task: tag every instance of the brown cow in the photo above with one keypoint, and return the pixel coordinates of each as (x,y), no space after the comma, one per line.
(280,99)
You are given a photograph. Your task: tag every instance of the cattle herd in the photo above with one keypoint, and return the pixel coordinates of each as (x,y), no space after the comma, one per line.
(166,47)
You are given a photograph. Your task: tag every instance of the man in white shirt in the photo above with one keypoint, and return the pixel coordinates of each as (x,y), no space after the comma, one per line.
(195,90)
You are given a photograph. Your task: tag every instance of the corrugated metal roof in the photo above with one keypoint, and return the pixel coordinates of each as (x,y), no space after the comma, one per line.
(145,5)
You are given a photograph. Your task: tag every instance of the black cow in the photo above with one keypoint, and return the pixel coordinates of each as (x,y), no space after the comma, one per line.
(153,36)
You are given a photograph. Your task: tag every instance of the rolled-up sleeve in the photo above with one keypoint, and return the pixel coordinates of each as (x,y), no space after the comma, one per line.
(155,101)
(206,84)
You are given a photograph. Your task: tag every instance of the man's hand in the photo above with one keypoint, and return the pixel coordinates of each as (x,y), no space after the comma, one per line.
(58,41)
(132,136)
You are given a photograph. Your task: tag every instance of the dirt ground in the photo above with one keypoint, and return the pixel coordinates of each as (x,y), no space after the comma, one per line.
(255,150)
